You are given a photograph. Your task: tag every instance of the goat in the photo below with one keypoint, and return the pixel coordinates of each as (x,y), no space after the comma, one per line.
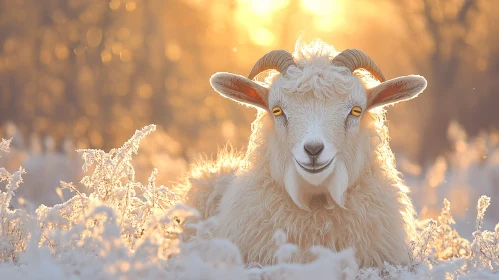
(318,164)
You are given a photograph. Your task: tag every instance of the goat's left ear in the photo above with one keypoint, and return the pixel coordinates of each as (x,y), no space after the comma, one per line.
(240,89)
(395,90)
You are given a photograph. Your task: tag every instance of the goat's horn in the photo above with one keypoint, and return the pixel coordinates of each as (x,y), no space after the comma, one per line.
(354,59)
(278,60)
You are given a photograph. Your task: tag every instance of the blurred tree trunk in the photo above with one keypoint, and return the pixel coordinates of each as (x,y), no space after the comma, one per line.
(444,67)
(446,27)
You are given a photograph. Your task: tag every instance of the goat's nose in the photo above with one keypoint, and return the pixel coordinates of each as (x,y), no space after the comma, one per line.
(314,148)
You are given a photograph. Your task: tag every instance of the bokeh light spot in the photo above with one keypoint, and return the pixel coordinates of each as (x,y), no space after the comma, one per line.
(125,55)
(106,56)
(114,4)
(117,47)
(94,37)
(131,6)
(173,51)
(61,51)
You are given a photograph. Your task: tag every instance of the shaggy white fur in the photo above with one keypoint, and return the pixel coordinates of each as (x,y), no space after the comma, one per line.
(357,201)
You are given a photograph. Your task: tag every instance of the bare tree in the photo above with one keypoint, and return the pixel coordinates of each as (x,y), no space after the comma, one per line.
(455,34)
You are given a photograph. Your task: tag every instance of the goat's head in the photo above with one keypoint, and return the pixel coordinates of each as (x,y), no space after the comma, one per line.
(319,111)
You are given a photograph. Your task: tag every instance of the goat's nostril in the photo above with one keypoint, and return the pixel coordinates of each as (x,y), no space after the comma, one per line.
(314,148)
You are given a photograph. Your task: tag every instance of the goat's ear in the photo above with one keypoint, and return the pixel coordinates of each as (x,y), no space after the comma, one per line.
(240,89)
(395,90)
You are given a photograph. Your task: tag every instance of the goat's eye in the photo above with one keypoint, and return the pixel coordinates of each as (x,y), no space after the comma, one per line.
(356,111)
(277,111)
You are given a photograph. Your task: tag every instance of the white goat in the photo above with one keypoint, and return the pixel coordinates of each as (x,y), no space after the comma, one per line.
(318,164)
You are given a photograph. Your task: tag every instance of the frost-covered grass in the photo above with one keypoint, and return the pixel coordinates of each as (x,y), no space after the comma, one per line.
(463,175)
(124,229)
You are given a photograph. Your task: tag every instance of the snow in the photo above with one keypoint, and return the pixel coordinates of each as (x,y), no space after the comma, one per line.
(119,228)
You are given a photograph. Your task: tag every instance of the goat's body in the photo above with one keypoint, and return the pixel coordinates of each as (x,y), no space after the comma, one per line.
(207,181)
(377,221)
(347,193)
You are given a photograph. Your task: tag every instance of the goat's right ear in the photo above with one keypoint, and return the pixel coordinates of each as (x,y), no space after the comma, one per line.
(240,89)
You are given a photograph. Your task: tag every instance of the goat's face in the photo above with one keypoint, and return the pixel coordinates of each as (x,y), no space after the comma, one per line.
(319,142)
(314,131)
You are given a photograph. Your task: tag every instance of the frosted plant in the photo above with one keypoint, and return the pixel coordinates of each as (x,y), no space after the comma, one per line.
(485,246)
(113,177)
(113,183)
(421,248)
(13,231)
(4,145)
(448,244)
(440,250)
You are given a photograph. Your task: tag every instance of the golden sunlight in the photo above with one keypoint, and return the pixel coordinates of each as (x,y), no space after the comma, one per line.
(261,36)
(260,11)
(328,13)
(260,17)
(265,7)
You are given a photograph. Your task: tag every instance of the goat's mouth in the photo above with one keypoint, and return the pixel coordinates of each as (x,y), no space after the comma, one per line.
(316,168)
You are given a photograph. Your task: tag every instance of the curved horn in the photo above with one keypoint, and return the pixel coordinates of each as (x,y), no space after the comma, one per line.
(278,60)
(354,59)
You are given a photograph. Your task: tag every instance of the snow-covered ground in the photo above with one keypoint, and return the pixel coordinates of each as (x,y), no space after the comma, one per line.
(117,225)
(462,176)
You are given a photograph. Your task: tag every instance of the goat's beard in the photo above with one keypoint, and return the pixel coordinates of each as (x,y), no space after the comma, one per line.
(337,185)
(334,187)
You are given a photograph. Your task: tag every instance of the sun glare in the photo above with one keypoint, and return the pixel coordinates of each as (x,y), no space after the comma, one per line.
(262,36)
(260,12)
(328,14)
(319,7)
(259,17)
(265,7)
